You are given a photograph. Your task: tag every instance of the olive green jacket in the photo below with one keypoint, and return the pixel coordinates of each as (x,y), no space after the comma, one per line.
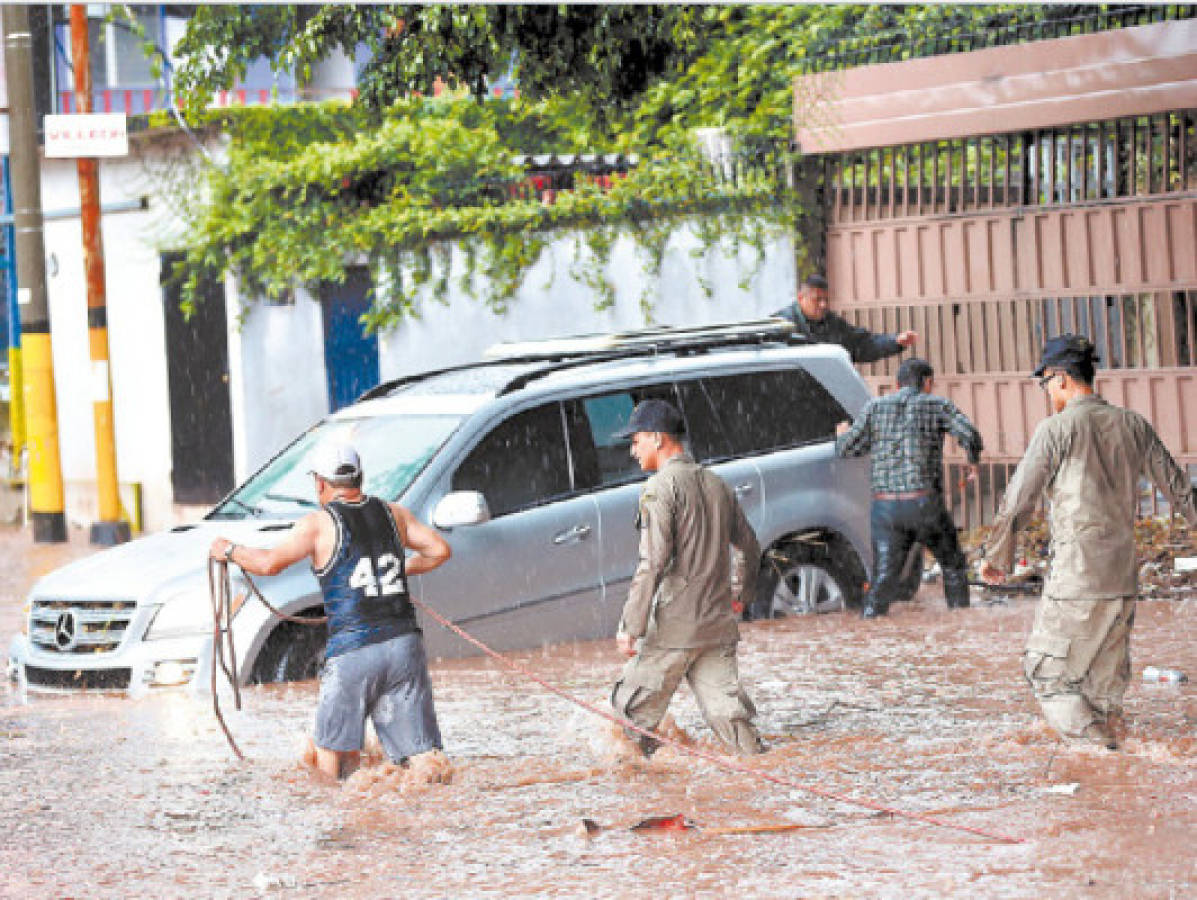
(681,593)
(1085,463)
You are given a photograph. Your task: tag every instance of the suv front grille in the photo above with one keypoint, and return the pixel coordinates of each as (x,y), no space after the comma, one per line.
(79,679)
(79,626)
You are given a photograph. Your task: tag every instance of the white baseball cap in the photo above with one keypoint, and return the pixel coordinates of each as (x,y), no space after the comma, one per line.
(336,463)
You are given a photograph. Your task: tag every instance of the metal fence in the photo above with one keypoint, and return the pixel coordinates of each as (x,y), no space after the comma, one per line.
(1007,29)
(1128,157)
(1156,330)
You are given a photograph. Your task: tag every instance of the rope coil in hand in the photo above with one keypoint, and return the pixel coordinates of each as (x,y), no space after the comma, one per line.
(220,591)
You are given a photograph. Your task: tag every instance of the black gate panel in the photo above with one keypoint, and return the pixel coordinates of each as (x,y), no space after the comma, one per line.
(197,365)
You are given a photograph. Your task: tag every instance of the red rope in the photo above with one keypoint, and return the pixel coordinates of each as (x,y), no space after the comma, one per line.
(702,754)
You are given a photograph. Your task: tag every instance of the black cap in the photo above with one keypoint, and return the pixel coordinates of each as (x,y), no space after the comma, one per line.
(1065,350)
(654,415)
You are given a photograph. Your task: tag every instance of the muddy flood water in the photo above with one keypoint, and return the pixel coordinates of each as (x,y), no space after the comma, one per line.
(923,711)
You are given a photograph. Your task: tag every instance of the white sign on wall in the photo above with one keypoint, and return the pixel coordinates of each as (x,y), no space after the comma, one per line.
(86,134)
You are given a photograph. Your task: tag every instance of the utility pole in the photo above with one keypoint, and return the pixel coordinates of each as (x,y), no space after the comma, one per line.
(109,529)
(16,397)
(41,412)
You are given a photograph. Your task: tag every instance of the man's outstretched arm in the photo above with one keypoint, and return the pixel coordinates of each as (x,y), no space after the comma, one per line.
(1167,475)
(299,543)
(1023,494)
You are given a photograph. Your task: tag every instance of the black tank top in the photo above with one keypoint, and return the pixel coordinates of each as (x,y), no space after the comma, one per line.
(365,580)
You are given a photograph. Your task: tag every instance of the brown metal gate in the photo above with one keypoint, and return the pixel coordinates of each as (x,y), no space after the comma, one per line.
(1060,221)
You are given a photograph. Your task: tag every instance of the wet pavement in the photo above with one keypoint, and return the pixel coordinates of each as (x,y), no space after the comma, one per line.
(924,711)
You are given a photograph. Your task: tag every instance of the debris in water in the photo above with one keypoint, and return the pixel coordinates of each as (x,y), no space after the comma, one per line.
(664,823)
(777,828)
(1066,790)
(1165,548)
(263,882)
(588,828)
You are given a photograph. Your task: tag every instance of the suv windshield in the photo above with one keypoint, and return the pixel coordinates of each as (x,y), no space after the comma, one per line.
(393,450)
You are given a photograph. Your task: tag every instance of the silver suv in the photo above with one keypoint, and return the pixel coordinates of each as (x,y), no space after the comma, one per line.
(515,459)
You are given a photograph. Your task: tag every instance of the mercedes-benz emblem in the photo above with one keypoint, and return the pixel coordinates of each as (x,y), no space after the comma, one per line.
(66,630)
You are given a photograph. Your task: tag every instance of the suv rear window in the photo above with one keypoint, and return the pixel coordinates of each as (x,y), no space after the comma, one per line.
(601,458)
(763,411)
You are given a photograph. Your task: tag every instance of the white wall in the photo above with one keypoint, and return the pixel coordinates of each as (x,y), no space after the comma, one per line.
(136,339)
(276,375)
(334,76)
(459,331)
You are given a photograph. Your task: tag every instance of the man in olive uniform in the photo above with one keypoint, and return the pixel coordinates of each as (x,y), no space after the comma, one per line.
(1085,462)
(680,607)
(812,316)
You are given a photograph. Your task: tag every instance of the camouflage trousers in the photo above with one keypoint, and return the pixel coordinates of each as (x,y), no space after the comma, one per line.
(650,678)
(1077,660)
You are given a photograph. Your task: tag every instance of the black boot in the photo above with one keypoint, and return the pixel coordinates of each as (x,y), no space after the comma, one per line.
(955,588)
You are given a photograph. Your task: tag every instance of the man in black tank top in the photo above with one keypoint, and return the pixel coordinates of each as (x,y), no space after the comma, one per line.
(374,663)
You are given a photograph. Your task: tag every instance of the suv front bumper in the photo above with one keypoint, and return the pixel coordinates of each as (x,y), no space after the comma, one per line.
(141,666)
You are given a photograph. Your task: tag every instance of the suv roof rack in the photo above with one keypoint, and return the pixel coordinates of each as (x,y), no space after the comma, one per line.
(659,338)
(587,349)
(386,387)
(653,342)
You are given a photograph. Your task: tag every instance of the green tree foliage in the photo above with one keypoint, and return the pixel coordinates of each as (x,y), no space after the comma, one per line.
(605,53)
(306,188)
(397,179)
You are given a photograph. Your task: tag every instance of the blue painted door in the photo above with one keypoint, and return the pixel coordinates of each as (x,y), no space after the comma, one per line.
(350,356)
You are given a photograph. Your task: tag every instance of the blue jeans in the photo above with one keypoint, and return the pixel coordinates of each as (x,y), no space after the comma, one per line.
(897,526)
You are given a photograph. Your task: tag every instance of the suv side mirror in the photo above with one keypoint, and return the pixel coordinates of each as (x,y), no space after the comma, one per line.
(460,508)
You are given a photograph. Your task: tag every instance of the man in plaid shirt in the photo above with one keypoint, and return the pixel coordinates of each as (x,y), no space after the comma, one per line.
(904,432)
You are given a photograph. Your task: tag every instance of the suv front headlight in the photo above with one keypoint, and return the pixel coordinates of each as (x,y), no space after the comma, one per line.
(185,615)
(190,613)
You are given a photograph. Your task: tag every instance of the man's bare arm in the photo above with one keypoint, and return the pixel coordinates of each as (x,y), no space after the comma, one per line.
(431,550)
(299,543)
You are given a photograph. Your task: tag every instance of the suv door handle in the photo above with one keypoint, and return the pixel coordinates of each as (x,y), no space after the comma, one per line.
(742,489)
(572,535)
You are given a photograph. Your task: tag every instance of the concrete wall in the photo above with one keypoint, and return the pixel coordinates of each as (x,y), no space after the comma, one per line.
(276,375)
(551,304)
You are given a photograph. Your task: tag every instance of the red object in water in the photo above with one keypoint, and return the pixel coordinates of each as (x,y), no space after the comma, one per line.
(664,823)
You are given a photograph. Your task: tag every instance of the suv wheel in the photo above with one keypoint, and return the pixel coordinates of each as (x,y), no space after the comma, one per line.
(293,652)
(800,579)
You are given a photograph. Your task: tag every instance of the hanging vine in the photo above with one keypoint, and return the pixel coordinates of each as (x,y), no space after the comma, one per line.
(303,190)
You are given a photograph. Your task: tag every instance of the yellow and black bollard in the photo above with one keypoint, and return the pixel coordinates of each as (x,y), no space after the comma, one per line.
(37,364)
